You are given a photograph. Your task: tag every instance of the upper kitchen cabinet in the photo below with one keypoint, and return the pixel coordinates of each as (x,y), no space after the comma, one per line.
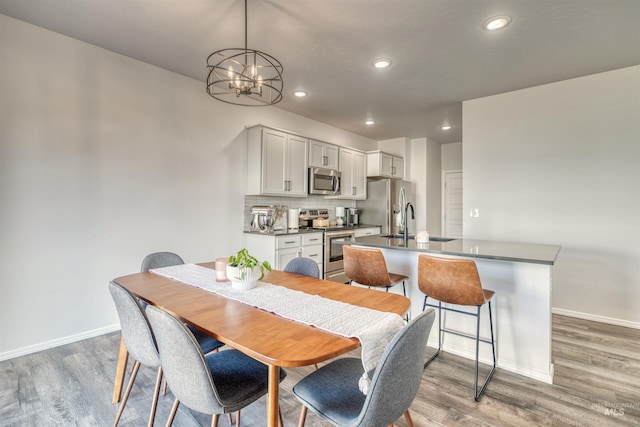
(276,163)
(353,165)
(323,155)
(380,164)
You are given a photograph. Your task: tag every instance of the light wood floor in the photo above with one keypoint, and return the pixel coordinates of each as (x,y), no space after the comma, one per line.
(597,383)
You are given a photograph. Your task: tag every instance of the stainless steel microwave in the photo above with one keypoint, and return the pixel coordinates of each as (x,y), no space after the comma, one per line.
(324,181)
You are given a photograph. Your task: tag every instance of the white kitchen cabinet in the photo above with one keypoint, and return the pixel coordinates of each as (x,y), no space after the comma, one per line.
(276,163)
(323,155)
(312,247)
(353,165)
(380,164)
(368,231)
(278,250)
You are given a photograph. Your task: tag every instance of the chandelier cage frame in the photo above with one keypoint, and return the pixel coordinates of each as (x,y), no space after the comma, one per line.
(244,76)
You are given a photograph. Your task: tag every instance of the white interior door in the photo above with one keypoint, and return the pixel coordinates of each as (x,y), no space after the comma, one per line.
(452,204)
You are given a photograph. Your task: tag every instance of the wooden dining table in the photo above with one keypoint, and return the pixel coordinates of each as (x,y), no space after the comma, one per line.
(262,335)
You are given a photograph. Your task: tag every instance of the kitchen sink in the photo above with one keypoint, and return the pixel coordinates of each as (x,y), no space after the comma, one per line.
(431,238)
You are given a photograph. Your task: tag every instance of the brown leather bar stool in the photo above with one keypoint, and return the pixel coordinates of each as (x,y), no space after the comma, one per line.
(456,281)
(366,266)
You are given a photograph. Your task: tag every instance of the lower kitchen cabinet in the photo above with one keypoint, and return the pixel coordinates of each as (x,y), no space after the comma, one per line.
(366,231)
(278,250)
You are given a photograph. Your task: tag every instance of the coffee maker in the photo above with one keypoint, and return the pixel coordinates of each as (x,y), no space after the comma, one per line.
(351,216)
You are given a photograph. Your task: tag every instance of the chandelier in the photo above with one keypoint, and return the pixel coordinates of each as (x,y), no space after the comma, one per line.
(244,76)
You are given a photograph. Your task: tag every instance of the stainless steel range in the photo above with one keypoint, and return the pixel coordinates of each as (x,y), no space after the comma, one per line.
(333,258)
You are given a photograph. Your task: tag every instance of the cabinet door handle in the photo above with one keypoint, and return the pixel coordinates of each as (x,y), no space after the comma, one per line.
(393,170)
(289,242)
(325,160)
(353,191)
(313,240)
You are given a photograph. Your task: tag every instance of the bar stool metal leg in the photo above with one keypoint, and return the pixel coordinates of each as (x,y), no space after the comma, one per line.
(477,394)
(439,331)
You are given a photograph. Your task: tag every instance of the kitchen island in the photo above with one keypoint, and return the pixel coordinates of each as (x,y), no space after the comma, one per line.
(519,273)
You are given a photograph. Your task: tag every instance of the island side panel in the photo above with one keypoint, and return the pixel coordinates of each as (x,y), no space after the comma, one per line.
(521,308)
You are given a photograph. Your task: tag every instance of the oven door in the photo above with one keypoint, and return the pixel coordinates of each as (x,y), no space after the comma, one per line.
(333,257)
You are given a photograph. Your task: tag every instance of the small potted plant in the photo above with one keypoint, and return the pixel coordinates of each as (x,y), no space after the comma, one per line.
(244,270)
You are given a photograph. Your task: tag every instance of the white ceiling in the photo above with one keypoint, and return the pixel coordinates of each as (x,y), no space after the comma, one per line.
(441,55)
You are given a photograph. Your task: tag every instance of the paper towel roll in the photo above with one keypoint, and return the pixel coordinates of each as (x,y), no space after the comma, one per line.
(292,219)
(339,211)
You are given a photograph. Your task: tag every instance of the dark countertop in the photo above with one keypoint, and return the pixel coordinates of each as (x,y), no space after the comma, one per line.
(312,230)
(487,249)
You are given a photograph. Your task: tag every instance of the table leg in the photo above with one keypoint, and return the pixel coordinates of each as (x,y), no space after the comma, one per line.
(121,367)
(272,397)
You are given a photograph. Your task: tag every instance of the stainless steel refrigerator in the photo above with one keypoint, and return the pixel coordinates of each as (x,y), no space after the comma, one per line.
(385,205)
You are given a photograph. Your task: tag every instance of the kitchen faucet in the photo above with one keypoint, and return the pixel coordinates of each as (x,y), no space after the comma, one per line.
(406,220)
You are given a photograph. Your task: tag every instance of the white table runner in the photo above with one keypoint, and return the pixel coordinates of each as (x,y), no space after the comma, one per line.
(373,328)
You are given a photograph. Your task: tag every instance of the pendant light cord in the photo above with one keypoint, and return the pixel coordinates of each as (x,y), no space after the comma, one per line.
(245,25)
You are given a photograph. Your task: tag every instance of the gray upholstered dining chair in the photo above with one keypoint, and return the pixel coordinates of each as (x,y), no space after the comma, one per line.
(140,343)
(168,259)
(217,383)
(332,391)
(304,266)
(159,260)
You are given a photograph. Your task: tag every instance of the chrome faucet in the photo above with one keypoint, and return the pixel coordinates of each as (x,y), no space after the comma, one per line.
(406,220)
(402,213)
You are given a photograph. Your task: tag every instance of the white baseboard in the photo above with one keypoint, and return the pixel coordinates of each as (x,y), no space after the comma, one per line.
(58,342)
(546,377)
(596,318)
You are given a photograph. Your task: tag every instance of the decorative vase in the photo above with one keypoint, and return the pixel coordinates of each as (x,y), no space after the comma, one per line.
(243,277)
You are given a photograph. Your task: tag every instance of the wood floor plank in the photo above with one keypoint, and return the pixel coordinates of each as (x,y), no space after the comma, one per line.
(596,383)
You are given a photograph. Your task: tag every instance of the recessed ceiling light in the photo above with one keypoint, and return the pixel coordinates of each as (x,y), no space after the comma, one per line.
(300,93)
(445,127)
(496,23)
(369,122)
(381,63)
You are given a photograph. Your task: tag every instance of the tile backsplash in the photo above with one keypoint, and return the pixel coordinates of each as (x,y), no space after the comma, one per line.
(310,202)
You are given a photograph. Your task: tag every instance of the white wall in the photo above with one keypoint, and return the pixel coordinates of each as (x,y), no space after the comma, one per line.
(560,164)
(434,188)
(424,157)
(104,159)
(452,156)
(418,159)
